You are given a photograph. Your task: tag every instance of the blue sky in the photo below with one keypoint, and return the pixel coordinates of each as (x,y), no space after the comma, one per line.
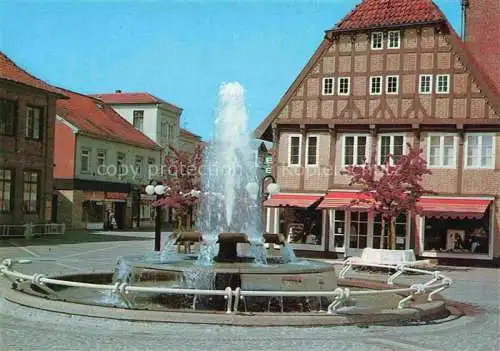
(180,51)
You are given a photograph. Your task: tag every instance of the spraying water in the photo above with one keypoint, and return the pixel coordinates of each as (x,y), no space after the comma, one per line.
(231,174)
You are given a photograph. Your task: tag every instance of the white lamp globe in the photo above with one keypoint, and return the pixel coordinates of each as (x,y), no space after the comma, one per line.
(273,188)
(160,189)
(150,189)
(252,188)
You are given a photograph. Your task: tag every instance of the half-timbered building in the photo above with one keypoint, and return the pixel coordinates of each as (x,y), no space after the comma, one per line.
(391,72)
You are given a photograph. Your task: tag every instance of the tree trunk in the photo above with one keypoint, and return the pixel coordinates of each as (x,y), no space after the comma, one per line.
(381,245)
(392,234)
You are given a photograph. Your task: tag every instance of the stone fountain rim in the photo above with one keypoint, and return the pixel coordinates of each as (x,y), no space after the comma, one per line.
(427,310)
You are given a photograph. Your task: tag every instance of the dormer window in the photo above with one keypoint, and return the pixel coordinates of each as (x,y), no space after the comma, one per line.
(377,41)
(393,41)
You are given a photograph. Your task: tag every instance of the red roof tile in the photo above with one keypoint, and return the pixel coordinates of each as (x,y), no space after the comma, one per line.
(10,71)
(133,98)
(382,13)
(98,119)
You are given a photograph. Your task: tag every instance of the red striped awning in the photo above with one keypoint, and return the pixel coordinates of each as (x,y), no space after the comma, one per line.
(441,207)
(292,200)
(338,199)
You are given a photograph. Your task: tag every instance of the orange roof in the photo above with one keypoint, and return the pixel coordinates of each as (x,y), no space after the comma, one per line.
(187,132)
(384,13)
(12,72)
(133,98)
(97,119)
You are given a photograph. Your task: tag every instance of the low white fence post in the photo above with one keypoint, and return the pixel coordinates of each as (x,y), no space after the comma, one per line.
(28,230)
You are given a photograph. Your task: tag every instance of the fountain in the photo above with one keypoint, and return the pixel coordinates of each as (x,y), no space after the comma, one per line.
(227,252)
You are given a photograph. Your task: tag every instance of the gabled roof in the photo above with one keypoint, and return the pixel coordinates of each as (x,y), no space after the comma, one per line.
(390,13)
(485,83)
(187,132)
(97,119)
(132,99)
(12,72)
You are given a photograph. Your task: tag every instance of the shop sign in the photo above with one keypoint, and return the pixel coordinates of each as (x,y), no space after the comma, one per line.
(93,196)
(116,196)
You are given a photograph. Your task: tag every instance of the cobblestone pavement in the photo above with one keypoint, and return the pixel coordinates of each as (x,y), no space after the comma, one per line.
(28,329)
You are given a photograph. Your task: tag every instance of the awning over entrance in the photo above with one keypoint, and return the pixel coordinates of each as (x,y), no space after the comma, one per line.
(445,207)
(339,199)
(292,200)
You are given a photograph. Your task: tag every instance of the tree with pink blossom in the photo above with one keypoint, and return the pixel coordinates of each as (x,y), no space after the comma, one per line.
(392,188)
(183,181)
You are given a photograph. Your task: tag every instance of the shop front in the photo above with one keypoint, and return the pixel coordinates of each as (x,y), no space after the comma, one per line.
(457,228)
(93,214)
(353,228)
(115,210)
(297,217)
(147,211)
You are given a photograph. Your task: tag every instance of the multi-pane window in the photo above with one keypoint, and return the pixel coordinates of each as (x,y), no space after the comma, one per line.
(480,151)
(355,149)
(381,228)
(312,150)
(33,123)
(337,218)
(85,160)
(138,166)
(375,85)
(5,190)
(377,40)
(393,40)
(391,145)
(344,86)
(425,84)
(8,110)
(443,84)
(139,120)
(442,151)
(151,164)
(31,189)
(359,230)
(328,86)
(120,164)
(294,150)
(392,85)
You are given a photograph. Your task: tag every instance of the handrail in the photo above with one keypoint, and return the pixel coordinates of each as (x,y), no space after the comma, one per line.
(438,283)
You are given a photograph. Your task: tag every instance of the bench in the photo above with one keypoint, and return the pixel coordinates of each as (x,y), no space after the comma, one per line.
(383,258)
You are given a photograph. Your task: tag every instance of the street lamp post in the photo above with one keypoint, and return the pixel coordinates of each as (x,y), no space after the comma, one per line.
(159,190)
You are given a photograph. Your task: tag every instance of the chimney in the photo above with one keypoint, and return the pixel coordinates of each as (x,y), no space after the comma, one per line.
(118,91)
(482,32)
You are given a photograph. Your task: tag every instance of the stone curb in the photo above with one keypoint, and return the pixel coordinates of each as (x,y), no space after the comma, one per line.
(425,311)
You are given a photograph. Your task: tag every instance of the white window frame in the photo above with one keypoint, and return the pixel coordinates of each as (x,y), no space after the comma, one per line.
(140,164)
(348,86)
(381,85)
(290,150)
(430,84)
(324,83)
(437,83)
(332,234)
(88,152)
(138,118)
(391,135)
(307,150)
(103,157)
(381,40)
(441,150)
(389,39)
(466,150)
(387,85)
(355,155)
